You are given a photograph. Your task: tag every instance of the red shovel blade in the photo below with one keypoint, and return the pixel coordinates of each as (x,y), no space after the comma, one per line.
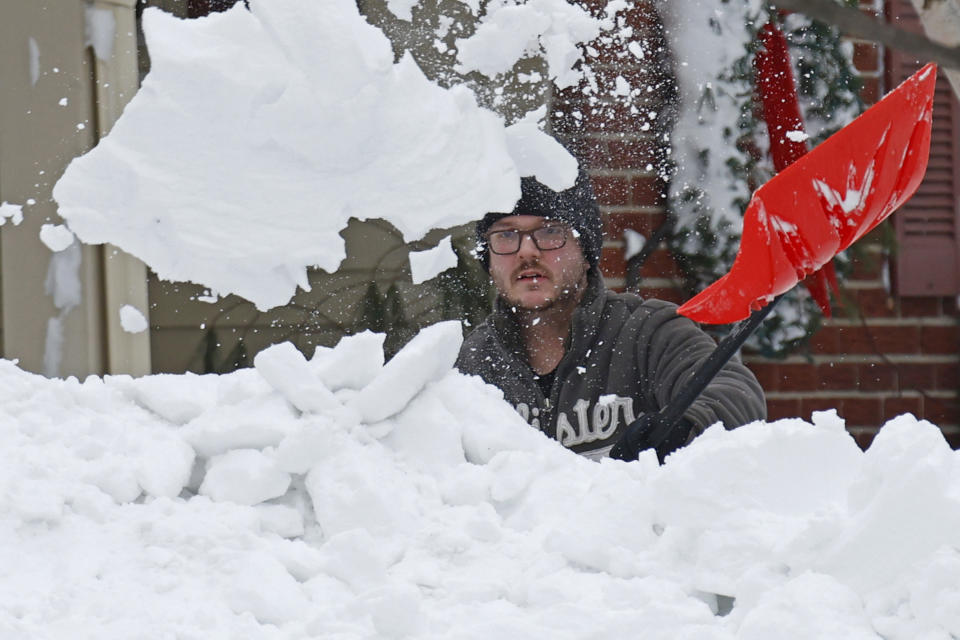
(825,201)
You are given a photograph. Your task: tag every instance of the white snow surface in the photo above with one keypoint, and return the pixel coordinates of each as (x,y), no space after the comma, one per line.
(132,319)
(237,164)
(56,236)
(12,212)
(211,507)
(511,31)
(432,262)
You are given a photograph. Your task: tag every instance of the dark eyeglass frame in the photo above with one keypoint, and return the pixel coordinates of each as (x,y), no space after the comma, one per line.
(564,229)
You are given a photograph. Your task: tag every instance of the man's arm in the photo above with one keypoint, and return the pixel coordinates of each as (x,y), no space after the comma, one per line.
(670,348)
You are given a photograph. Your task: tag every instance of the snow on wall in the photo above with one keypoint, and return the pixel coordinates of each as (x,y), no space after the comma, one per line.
(214,507)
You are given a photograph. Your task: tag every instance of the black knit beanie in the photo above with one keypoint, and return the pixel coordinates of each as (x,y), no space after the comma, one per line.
(576,206)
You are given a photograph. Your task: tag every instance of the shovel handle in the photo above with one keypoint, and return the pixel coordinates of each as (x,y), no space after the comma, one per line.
(670,414)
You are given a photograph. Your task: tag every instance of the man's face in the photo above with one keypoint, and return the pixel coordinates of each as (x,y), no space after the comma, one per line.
(533,278)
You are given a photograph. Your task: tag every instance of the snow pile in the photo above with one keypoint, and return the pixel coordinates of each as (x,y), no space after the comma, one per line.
(338,497)
(258,133)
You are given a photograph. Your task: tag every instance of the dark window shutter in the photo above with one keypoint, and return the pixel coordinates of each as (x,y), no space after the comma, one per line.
(928,230)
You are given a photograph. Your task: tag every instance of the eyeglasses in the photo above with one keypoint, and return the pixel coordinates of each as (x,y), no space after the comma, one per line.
(546,238)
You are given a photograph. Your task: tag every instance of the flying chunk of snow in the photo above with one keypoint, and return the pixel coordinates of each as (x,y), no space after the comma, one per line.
(432,262)
(401,8)
(223,186)
(797,136)
(635,242)
(537,154)
(132,320)
(13,212)
(56,236)
(622,87)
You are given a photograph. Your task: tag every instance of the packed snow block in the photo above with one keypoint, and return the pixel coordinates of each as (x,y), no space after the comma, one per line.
(244,476)
(352,364)
(164,469)
(287,371)
(316,438)
(280,519)
(426,433)
(395,610)
(264,588)
(362,487)
(356,558)
(494,428)
(255,422)
(175,398)
(426,358)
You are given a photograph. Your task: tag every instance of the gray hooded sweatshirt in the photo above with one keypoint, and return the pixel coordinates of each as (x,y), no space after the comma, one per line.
(626,356)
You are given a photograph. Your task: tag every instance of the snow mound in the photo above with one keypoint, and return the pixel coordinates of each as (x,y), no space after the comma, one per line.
(407,506)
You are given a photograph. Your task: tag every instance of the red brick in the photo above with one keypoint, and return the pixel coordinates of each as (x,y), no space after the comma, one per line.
(612,263)
(878,377)
(914,307)
(642,221)
(870,90)
(895,339)
(947,376)
(593,152)
(768,375)
(941,411)
(660,264)
(648,191)
(916,376)
(798,377)
(866,56)
(894,406)
(838,376)
(874,303)
(632,153)
(867,340)
(825,340)
(612,191)
(862,411)
(940,339)
(778,408)
(865,265)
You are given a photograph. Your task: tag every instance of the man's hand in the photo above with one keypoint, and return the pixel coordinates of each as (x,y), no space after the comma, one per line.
(639,434)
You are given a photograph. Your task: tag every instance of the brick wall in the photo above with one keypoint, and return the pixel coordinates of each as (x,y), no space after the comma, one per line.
(881,354)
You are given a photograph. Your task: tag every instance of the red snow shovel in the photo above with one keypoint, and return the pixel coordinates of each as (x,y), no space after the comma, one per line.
(799,220)
(825,201)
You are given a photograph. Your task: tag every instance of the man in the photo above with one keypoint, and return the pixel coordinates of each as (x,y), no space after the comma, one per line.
(580,362)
